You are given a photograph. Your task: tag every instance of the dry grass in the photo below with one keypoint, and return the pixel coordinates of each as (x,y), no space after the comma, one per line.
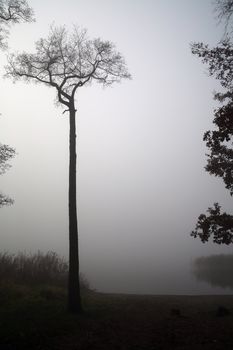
(35,269)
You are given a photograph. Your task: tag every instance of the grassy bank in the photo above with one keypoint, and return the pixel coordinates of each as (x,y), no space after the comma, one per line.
(33,316)
(33,295)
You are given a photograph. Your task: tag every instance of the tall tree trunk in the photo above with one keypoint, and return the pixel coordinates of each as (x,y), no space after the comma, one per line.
(74,298)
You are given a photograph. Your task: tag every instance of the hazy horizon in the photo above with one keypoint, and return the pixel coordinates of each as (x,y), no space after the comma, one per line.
(141,178)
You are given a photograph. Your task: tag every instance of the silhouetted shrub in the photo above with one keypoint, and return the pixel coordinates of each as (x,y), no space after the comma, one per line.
(36,269)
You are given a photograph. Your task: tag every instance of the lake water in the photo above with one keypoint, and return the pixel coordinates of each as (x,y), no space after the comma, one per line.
(171,279)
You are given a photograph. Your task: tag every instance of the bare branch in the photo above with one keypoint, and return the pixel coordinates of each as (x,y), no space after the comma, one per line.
(16,11)
(13,11)
(224,9)
(69,61)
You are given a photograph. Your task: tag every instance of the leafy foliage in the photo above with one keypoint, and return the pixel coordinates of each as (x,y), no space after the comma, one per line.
(220,140)
(220,159)
(217,224)
(5,200)
(6,153)
(219,60)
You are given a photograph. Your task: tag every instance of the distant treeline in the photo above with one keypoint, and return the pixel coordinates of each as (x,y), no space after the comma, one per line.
(217,270)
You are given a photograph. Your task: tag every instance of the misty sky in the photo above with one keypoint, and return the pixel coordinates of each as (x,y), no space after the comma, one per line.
(141,158)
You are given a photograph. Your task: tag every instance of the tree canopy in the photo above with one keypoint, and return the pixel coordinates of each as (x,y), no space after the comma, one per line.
(68,61)
(220,140)
(224,10)
(13,11)
(216,224)
(6,153)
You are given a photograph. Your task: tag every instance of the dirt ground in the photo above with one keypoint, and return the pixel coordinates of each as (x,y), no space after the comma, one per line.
(124,322)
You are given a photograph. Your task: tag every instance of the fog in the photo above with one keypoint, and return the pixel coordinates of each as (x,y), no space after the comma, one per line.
(141,158)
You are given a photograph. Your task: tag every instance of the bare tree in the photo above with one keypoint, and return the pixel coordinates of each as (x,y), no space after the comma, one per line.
(67,62)
(13,11)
